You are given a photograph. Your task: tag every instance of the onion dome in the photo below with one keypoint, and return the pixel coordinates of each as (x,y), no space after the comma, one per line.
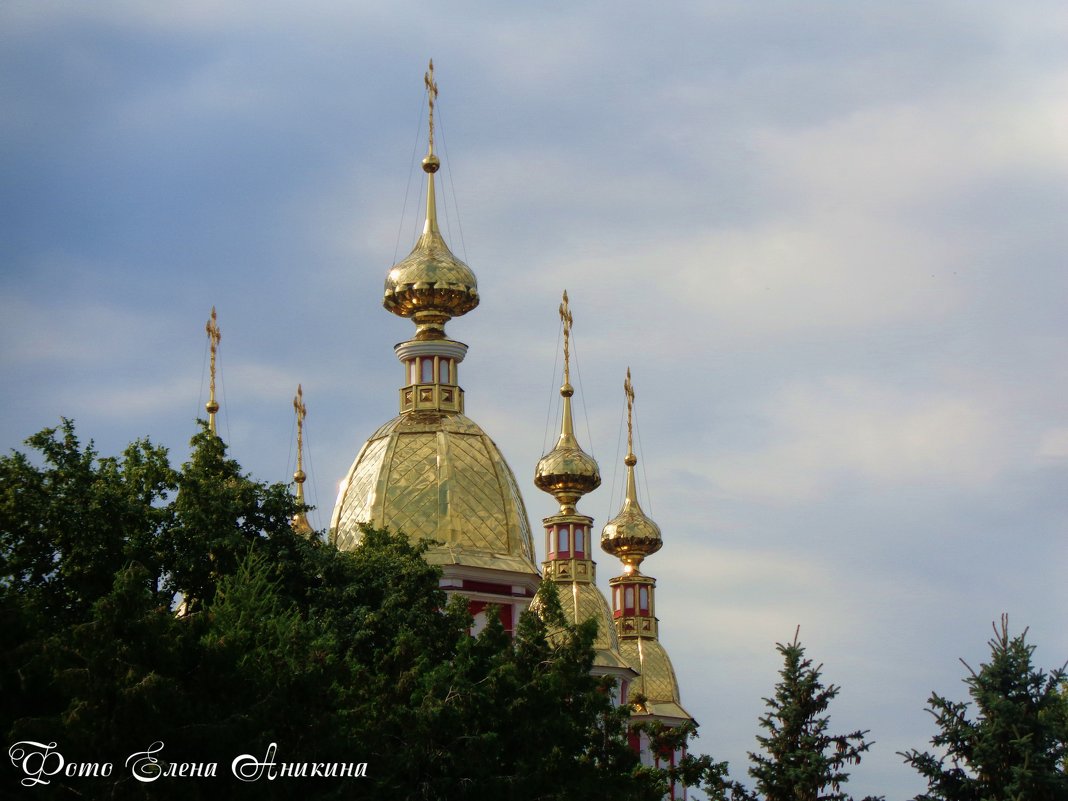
(631,535)
(656,680)
(567,472)
(430,285)
(439,477)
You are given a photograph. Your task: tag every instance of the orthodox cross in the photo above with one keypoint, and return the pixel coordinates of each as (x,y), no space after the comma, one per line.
(214,337)
(567,321)
(628,388)
(432,94)
(302,412)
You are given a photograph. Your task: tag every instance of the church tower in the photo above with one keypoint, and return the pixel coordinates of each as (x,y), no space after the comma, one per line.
(432,472)
(631,536)
(567,473)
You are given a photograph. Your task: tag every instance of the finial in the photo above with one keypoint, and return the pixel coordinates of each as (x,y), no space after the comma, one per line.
(628,388)
(567,472)
(214,337)
(431,285)
(631,535)
(567,321)
(300,520)
(431,163)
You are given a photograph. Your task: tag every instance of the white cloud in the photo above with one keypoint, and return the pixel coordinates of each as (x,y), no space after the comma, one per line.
(840,431)
(1054,444)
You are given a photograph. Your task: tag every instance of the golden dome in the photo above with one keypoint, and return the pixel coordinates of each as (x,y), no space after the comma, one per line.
(567,472)
(579,601)
(440,477)
(631,535)
(656,680)
(431,285)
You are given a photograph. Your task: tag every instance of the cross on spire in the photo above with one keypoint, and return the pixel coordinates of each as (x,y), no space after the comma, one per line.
(214,337)
(628,389)
(432,95)
(300,520)
(567,320)
(302,412)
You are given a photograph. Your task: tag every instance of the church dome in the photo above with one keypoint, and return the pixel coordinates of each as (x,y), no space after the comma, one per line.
(430,283)
(440,477)
(656,678)
(582,601)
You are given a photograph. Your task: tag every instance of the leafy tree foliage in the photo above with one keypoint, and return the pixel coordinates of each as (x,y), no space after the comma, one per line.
(1016,747)
(142,604)
(800,759)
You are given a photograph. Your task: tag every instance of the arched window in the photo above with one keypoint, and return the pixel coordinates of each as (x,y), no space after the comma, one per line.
(563,545)
(643,600)
(426,370)
(580,541)
(628,601)
(443,371)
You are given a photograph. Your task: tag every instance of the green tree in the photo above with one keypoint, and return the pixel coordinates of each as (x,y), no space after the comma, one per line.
(335,656)
(1014,749)
(800,759)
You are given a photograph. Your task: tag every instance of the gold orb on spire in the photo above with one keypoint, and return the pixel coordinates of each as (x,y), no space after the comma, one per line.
(567,472)
(430,285)
(631,535)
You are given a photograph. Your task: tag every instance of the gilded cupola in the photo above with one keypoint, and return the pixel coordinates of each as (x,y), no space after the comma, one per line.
(432,472)
(567,472)
(430,285)
(631,535)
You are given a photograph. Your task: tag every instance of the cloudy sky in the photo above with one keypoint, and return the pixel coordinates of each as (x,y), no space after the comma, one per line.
(828,238)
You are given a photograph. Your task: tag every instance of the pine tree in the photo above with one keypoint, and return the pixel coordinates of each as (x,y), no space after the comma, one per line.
(1016,746)
(800,759)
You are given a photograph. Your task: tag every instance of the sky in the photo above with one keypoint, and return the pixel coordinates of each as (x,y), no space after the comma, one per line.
(828,239)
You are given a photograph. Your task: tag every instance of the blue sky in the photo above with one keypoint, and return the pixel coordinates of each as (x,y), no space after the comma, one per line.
(828,239)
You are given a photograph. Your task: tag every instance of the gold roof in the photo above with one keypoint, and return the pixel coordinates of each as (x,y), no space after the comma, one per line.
(631,535)
(430,285)
(583,601)
(437,476)
(656,680)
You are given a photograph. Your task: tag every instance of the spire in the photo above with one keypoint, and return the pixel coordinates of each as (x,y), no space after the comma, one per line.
(430,285)
(631,535)
(567,472)
(214,336)
(300,519)
(431,163)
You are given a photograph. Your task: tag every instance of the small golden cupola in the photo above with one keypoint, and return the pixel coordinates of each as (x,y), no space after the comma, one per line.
(430,285)
(432,472)
(631,536)
(567,473)
(300,519)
